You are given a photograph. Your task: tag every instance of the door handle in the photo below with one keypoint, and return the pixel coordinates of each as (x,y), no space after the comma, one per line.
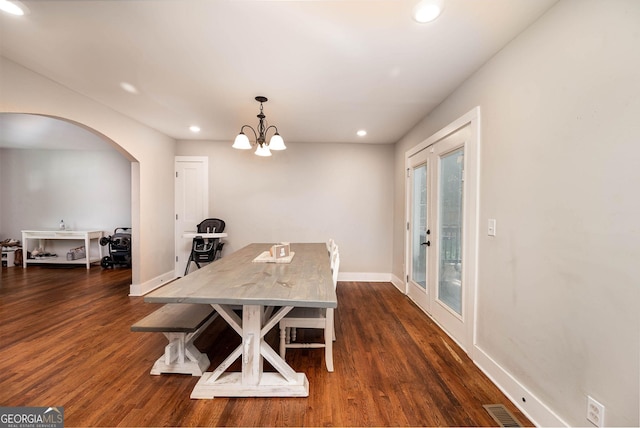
(428,243)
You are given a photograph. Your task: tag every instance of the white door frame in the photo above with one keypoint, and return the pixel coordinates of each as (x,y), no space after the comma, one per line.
(471,218)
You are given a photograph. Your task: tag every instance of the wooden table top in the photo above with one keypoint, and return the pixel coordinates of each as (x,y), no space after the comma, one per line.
(236,280)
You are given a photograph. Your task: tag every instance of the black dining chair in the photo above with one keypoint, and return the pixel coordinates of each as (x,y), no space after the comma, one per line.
(205,250)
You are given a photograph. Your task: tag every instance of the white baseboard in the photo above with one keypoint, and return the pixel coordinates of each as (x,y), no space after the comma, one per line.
(399,284)
(522,398)
(152,284)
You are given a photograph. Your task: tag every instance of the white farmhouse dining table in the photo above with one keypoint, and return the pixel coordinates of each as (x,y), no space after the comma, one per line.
(258,287)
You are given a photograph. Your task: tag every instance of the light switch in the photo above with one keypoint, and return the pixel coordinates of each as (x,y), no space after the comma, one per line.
(491,229)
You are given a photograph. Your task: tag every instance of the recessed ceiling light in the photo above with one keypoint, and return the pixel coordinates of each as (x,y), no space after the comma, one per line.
(129,87)
(427,10)
(11,7)
(361,133)
(194,128)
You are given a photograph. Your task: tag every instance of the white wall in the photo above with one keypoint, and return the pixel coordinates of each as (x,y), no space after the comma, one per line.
(89,190)
(308,193)
(150,152)
(558,298)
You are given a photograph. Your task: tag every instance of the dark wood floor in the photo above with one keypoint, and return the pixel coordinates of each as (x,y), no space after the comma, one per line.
(65,341)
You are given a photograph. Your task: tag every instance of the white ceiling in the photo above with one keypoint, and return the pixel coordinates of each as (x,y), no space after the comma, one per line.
(328,68)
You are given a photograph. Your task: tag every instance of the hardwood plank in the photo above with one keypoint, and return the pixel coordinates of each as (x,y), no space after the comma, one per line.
(65,341)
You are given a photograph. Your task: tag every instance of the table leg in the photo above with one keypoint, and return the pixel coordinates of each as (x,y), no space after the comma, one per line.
(252,381)
(25,250)
(100,247)
(87,250)
(251,358)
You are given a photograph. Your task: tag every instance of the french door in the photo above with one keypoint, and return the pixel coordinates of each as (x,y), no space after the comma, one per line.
(418,226)
(441,232)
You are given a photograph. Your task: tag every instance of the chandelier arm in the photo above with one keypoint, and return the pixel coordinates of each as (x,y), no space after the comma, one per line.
(267,130)
(252,130)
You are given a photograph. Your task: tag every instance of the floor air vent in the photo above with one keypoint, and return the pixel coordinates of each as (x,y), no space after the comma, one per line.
(501,415)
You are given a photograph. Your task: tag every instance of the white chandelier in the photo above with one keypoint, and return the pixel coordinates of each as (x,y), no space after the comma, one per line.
(262,147)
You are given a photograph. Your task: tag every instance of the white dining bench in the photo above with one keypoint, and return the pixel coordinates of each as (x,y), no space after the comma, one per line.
(181,323)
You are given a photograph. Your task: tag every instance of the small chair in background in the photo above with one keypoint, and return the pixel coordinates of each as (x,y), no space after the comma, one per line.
(205,250)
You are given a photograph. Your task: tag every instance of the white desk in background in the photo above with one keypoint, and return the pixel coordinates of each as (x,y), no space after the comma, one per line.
(79,235)
(235,280)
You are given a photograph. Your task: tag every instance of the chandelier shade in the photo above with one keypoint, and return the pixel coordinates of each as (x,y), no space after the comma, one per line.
(263,148)
(262,151)
(242,142)
(276,142)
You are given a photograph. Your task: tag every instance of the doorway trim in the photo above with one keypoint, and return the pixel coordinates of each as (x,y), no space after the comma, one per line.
(471,220)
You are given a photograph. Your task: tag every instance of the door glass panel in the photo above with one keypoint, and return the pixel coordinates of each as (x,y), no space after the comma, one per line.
(450,230)
(419,226)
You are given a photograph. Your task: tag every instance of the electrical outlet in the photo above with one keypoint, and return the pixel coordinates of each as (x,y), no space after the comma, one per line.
(595,412)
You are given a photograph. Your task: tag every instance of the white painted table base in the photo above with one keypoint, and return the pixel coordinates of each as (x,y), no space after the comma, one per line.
(252,381)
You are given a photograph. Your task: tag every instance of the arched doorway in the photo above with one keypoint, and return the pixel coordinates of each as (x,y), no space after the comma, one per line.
(53,168)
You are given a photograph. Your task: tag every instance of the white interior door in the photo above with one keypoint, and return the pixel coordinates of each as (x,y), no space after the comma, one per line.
(192,202)
(442,181)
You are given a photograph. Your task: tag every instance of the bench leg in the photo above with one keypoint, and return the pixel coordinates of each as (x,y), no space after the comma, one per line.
(181,355)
